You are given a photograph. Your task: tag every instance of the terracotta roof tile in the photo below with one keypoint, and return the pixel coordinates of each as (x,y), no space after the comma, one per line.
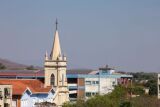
(20,85)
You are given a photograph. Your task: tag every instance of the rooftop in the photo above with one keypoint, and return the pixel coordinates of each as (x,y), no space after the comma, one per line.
(20,85)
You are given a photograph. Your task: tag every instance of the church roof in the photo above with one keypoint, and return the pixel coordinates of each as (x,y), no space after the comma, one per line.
(20,85)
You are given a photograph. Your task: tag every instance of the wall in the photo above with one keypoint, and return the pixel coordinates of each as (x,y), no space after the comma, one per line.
(107,85)
(4,98)
(28,99)
(80,89)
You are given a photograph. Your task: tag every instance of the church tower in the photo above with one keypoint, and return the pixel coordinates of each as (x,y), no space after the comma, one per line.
(55,71)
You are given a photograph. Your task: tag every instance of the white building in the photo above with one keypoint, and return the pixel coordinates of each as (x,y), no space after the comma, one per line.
(83,84)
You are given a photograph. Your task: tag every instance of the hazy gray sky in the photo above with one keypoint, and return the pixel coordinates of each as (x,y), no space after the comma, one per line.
(122,33)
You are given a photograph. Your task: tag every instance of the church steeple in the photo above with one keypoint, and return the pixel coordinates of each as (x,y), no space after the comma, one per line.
(55,68)
(56,49)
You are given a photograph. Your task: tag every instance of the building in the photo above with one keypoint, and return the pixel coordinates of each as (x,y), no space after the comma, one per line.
(90,83)
(158,86)
(55,71)
(5,95)
(81,83)
(52,89)
(27,92)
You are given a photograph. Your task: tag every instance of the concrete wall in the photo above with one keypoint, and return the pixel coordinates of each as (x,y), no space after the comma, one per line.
(107,85)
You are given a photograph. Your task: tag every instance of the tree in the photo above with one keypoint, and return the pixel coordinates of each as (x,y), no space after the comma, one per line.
(2,66)
(152,84)
(113,99)
(117,98)
(31,67)
(138,90)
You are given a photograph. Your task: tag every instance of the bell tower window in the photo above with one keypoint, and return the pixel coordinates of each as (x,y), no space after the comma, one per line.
(52,79)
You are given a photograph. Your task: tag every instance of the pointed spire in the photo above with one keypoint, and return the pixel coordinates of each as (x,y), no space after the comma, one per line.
(56,49)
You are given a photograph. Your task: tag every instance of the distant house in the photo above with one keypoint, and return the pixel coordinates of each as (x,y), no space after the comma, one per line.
(27,93)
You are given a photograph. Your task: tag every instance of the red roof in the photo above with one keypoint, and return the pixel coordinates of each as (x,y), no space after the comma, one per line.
(20,85)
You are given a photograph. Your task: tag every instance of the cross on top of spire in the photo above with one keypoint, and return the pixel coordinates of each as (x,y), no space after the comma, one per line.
(56,24)
(56,49)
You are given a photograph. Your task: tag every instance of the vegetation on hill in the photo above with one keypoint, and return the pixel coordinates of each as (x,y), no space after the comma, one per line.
(2,66)
(31,67)
(10,65)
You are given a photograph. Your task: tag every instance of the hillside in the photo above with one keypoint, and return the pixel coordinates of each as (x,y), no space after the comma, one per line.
(12,65)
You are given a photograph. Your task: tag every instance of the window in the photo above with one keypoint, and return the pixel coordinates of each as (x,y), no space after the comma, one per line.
(7,92)
(52,79)
(6,105)
(93,82)
(0,93)
(73,95)
(88,82)
(113,83)
(88,94)
(97,82)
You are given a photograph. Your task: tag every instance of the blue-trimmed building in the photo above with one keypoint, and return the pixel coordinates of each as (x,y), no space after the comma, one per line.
(89,83)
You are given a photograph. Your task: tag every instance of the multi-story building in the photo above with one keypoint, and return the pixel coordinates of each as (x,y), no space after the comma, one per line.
(103,81)
(5,95)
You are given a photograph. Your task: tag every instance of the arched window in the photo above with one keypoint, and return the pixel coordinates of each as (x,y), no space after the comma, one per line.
(52,79)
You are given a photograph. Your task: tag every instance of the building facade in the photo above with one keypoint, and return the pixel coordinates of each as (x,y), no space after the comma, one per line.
(27,92)
(87,84)
(5,95)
